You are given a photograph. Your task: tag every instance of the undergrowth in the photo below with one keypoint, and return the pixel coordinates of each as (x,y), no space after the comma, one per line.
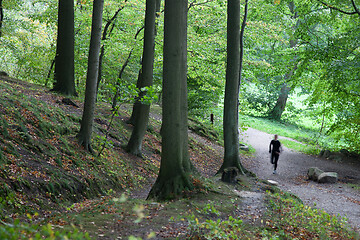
(286,218)
(45,174)
(41,164)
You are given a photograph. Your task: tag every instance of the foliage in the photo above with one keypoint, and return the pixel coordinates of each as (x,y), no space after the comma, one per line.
(286,218)
(329,56)
(291,219)
(308,139)
(19,230)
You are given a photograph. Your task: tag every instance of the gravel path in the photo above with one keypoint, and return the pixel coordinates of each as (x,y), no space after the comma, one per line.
(335,199)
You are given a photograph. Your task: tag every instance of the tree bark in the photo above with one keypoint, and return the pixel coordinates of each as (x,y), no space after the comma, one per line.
(242,30)
(280,105)
(1,17)
(175,165)
(141,82)
(64,60)
(146,80)
(84,135)
(231,105)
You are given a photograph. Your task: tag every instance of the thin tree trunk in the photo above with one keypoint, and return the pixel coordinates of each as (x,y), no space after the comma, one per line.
(141,121)
(105,35)
(174,172)
(64,60)
(116,95)
(1,17)
(84,135)
(231,106)
(242,31)
(49,73)
(140,82)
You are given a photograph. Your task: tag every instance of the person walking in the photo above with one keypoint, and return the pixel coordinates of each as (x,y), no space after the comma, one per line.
(275,149)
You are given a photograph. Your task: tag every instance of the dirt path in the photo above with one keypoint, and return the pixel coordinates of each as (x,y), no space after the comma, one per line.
(335,199)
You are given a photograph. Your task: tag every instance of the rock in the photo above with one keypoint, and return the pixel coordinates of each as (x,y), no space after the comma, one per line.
(244,147)
(345,152)
(4,74)
(328,177)
(326,154)
(272,182)
(337,157)
(314,173)
(321,153)
(229,175)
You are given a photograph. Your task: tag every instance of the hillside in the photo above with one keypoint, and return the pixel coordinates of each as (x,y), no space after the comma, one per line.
(46,177)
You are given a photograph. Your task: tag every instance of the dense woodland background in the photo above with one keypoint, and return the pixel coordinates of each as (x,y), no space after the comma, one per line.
(297,63)
(305,51)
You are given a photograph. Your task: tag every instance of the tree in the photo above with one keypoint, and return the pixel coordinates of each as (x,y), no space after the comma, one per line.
(232,85)
(175,166)
(108,29)
(84,135)
(1,16)
(64,60)
(145,79)
(280,105)
(333,58)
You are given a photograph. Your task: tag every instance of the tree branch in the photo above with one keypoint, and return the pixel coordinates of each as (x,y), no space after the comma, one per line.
(338,9)
(355,7)
(109,22)
(193,4)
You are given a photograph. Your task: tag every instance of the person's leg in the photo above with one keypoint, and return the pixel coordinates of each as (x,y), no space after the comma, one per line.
(272,158)
(276,158)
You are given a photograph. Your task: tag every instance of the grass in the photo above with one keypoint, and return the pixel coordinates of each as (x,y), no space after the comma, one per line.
(300,147)
(286,218)
(307,140)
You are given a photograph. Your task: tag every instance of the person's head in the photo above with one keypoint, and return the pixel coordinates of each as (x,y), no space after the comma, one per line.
(275,136)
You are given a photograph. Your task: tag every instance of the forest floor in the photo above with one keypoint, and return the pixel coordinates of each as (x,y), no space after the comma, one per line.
(43,170)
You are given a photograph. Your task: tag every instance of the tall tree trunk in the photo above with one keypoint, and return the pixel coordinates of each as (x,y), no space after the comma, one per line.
(174,172)
(141,82)
(64,60)
(280,105)
(1,17)
(146,79)
(231,101)
(84,135)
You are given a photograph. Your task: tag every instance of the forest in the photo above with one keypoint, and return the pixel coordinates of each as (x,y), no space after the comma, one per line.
(100,99)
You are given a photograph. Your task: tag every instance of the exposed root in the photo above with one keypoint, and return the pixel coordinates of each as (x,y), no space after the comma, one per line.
(165,189)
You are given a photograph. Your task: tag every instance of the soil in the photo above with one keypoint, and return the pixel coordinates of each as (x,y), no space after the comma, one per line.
(341,199)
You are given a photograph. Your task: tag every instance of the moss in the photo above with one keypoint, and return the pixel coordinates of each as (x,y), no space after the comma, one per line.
(4,128)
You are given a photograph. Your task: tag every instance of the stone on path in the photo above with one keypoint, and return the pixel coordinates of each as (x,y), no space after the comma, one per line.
(328,177)
(314,173)
(320,176)
(244,147)
(272,182)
